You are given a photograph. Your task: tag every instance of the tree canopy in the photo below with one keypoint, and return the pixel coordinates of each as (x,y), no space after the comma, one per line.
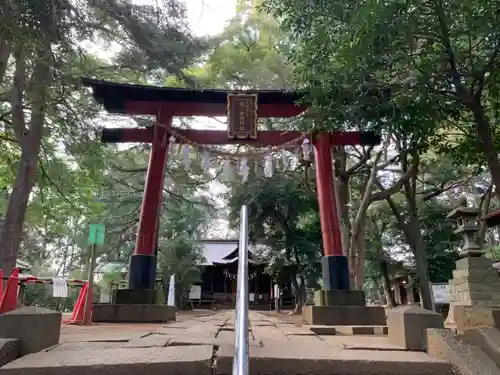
(422,74)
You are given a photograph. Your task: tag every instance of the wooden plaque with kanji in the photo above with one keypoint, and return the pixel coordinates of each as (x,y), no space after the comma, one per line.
(242,116)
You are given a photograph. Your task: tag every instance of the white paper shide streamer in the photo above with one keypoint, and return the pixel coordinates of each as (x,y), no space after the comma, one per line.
(171,145)
(244,169)
(284,161)
(306,149)
(227,170)
(185,157)
(268,166)
(206,160)
(234,164)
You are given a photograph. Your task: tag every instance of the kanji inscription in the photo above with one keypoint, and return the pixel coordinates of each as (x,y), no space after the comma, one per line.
(242,116)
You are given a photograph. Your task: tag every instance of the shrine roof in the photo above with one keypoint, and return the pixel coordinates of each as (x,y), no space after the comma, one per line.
(214,251)
(218,252)
(141,99)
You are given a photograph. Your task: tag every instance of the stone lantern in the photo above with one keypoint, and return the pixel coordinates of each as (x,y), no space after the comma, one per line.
(467,219)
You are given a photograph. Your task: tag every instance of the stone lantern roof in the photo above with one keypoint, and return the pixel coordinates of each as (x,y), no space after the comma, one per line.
(468,226)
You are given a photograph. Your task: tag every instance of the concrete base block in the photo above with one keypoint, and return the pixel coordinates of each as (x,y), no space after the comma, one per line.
(112,313)
(344,315)
(407,326)
(361,330)
(37,328)
(468,317)
(349,330)
(134,297)
(466,359)
(339,298)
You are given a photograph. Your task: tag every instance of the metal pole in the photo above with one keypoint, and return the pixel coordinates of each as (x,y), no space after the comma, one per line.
(88,302)
(240,363)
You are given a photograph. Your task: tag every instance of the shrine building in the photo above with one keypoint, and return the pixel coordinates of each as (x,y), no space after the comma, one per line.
(219,274)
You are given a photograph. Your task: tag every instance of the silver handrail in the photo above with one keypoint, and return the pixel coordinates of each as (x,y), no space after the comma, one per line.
(240,362)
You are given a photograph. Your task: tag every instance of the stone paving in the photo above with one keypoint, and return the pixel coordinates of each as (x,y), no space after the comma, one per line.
(205,345)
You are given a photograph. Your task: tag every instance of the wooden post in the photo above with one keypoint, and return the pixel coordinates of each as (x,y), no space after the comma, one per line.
(335,269)
(90,277)
(142,273)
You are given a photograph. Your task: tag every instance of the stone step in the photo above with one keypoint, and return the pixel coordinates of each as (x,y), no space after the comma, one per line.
(272,359)
(349,330)
(465,358)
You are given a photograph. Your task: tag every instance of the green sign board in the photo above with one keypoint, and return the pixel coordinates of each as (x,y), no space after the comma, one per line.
(96,234)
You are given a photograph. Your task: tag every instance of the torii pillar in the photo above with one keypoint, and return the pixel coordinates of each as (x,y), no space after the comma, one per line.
(334,264)
(335,303)
(142,267)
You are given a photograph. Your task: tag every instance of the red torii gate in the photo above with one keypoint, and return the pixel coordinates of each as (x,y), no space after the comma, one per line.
(165,103)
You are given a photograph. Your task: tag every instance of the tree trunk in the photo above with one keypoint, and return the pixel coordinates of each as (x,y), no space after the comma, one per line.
(413,229)
(413,235)
(5,52)
(12,230)
(356,244)
(360,262)
(298,290)
(341,184)
(299,296)
(30,141)
(484,208)
(422,267)
(165,290)
(384,272)
(342,191)
(486,145)
(386,283)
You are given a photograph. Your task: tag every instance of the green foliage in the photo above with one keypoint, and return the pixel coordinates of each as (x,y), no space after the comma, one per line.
(426,68)
(180,256)
(365,65)
(283,216)
(79,180)
(441,242)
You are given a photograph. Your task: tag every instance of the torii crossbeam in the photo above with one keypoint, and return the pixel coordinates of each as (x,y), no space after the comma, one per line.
(244,109)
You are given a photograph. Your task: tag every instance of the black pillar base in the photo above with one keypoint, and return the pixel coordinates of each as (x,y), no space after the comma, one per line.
(142,272)
(335,273)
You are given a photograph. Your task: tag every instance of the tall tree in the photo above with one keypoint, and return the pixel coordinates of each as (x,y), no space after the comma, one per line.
(283,216)
(372,57)
(41,60)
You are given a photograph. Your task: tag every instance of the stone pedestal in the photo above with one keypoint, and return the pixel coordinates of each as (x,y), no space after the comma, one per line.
(133,305)
(339,298)
(344,315)
(475,285)
(135,297)
(407,326)
(469,317)
(343,308)
(112,313)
